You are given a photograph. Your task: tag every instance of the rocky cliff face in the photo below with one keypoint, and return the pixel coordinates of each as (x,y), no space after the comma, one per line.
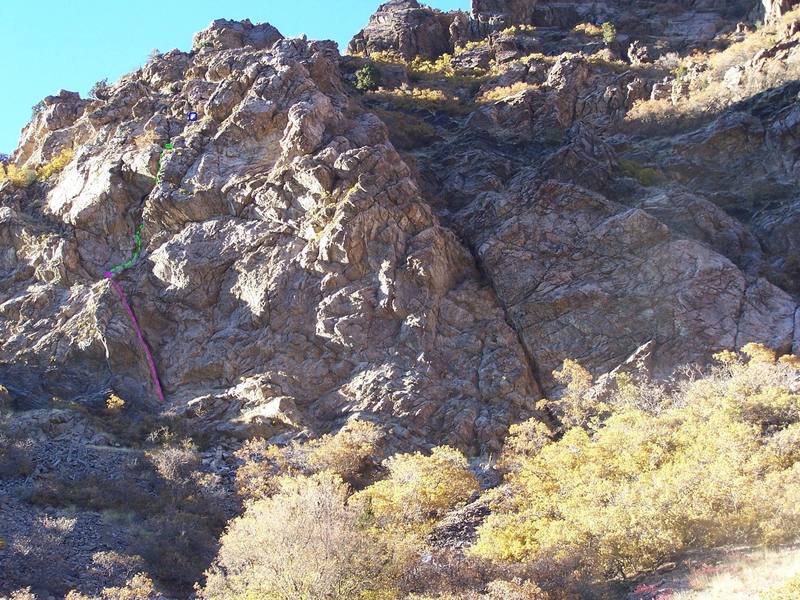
(290,264)
(293,269)
(588,257)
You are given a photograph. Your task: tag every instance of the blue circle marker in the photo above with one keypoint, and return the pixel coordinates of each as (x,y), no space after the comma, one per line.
(193,116)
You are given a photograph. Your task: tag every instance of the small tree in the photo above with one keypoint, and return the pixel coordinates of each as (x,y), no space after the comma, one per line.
(609,32)
(577,408)
(99,90)
(525,440)
(367,78)
(36,109)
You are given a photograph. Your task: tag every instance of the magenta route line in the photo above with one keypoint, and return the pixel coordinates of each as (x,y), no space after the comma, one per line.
(150,361)
(121,267)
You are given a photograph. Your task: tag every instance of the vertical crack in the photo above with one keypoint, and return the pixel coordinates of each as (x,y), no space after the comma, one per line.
(530,362)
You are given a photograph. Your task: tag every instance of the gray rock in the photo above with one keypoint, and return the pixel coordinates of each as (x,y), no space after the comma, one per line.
(638,53)
(661,91)
(287,253)
(223,34)
(406,27)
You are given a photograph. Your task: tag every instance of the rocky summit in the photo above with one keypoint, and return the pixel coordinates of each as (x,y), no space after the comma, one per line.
(416,233)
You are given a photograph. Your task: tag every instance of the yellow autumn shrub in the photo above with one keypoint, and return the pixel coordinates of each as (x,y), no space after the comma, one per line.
(441,67)
(390,57)
(114,403)
(788,590)
(576,407)
(472,45)
(139,587)
(306,541)
(419,488)
(502,92)
(589,29)
(518,30)
(24,177)
(344,453)
(718,465)
(525,440)
(414,98)
(56,165)
(18,177)
(262,464)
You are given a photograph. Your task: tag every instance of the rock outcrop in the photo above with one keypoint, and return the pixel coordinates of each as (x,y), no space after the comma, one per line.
(406,27)
(290,269)
(772,10)
(287,253)
(506,12)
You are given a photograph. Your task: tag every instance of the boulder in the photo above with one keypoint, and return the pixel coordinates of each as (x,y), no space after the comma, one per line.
(639,54)
(408,28)
(223,34)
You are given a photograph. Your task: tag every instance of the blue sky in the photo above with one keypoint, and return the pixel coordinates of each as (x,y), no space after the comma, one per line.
(48,45)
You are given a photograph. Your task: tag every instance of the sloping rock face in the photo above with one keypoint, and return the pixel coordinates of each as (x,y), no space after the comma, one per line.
(584,276)
(592,263)
(600,279)
(288,253)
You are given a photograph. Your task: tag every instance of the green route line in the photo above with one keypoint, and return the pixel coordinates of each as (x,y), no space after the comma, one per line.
(112,273)
(138,233)
(158,165)
(135,256)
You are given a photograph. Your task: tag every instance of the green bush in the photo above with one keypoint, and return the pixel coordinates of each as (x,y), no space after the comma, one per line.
(609,32)
(368,78)
(646,176)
